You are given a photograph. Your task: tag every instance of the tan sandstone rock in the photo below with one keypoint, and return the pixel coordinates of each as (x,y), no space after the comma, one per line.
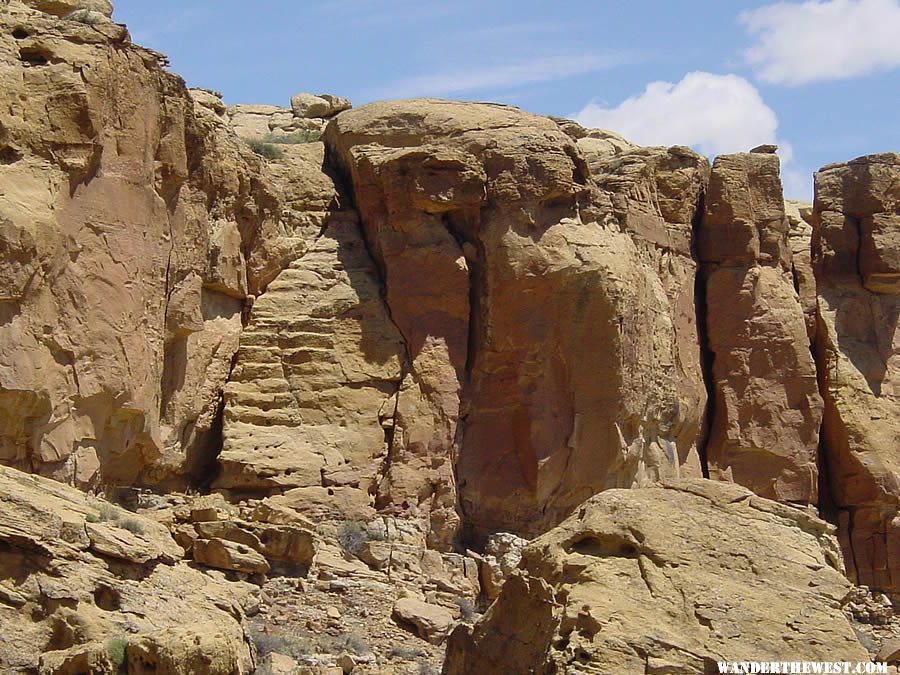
(857,343)
(495,242)
(122,298)
(667,580)
(767,410)
(799,215)
(229,555)
(72,584)
(431,622)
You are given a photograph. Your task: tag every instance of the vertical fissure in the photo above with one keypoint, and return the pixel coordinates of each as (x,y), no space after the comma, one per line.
(707,357)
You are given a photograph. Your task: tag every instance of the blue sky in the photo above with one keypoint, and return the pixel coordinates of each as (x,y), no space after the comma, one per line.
(820,77)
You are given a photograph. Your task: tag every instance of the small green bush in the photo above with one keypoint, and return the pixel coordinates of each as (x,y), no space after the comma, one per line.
(133,525)
(116,648)
(109,513)
(295,646)
(92,518)
(266,150)
(86,16)
(406,653)
(353,643)
(295,138)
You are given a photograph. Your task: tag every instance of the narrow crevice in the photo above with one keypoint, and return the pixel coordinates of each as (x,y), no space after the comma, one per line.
(701,310)
(333,168)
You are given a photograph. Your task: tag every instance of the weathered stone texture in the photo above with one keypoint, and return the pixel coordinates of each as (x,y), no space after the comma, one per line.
(667,579)
(767,410)
(124,209)
(77,573)
(522,299)
(857,346)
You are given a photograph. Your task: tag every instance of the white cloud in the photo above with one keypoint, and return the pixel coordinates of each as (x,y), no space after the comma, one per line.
(714,113)
(530,71)
(812,41)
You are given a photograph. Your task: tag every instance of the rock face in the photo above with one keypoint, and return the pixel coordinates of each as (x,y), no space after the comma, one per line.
(311,398)
(517,289)
(767,409)
(124,214)
(667,580)
(799,215)
(303,121)
(86,587)
(377,332)
(855,246)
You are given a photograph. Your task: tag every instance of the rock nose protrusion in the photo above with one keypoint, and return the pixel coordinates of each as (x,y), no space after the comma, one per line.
(64,8)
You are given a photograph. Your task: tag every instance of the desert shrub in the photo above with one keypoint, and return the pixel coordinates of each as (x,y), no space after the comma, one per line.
(92,518)
(86,16)
(294,138)
(352,643)
(116,648)
(406,653)
(352,535)
(109,513)
(266,150)
(295,646)
(133,525)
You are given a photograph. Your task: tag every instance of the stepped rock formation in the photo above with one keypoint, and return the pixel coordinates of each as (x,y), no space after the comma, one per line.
(767,407)
(81,580)
(627,584)
(856,255)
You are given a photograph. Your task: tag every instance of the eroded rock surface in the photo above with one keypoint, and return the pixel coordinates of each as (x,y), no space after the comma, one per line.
(767,410)
(124,212)
(855,243)
(88,587)
(668,579)
(520,294)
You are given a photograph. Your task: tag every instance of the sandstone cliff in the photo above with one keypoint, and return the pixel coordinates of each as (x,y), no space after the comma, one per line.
(855,255)
(441,320)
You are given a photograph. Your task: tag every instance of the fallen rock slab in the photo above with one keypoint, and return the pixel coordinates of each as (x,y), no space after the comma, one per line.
(229,555)
(432,623)
(667,579)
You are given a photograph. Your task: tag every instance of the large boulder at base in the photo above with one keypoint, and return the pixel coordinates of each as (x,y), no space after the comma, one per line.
(668,579)
(88,587)
(856,258)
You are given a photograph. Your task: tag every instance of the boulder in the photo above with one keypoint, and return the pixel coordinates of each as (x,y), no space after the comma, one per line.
(308,105)
(229,555)
(431,622)
(668,579)
(889,651)
(502,554)
(337,103)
